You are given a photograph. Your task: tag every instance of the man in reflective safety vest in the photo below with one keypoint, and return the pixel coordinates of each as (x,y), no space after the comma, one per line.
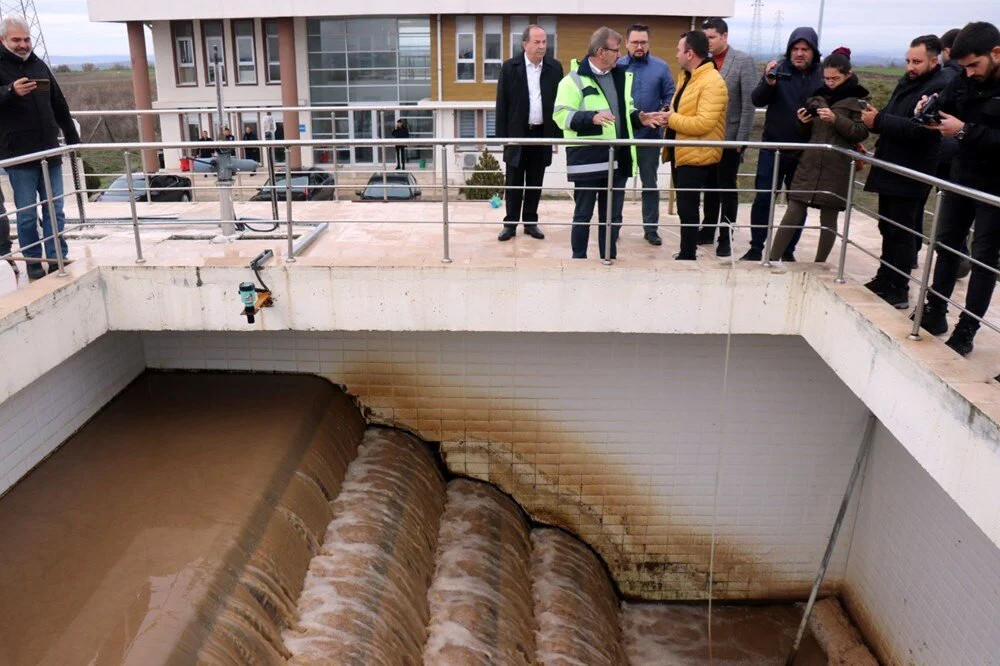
(594,101)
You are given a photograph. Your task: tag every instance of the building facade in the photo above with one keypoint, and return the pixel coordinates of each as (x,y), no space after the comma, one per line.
(358,60)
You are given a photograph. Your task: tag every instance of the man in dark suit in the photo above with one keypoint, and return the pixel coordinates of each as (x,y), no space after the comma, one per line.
(526,93)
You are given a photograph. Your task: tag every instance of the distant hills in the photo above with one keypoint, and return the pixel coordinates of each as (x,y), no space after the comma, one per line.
(99,61)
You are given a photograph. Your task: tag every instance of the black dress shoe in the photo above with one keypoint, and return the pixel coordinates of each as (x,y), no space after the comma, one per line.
(706,235)
(680,256)
(579,256)
(506,234)
(533,231)
(752,254)
(653,238)
(724,250)
(788,257)
(36,271)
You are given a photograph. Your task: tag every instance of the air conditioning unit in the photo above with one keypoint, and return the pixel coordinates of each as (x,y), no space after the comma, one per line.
(469,160)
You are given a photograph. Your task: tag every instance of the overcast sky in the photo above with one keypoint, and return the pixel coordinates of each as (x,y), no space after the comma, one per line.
(863,25)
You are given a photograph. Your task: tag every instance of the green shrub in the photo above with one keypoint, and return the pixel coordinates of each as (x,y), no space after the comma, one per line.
(487,179)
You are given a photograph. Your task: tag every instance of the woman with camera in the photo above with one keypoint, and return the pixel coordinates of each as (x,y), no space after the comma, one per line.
(831,116)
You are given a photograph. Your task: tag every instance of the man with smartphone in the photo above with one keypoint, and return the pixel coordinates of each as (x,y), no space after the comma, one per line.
(32,111)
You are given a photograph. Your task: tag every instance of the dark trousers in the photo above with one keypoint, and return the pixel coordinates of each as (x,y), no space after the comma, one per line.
(956,218)
(400,157)
(724,177)
(586,197)
(522,205)
(762,202)
(4,227)
(649,164)
(694,179)
(898,244)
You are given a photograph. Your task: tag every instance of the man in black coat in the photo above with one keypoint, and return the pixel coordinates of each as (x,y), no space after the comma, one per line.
(32,111)
(908,144)
(970,112)
(526,94)
(783,89)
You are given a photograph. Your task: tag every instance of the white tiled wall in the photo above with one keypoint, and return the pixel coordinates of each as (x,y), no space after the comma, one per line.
(616,437)
(38,418)
(921,575)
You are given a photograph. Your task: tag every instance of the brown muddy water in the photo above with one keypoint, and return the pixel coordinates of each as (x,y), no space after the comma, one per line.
(251,519)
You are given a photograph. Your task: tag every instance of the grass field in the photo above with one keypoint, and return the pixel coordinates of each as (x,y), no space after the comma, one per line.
(104,89)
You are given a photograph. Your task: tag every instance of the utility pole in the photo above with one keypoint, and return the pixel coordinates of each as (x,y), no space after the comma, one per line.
(776,43)
(756,29)
(819,26)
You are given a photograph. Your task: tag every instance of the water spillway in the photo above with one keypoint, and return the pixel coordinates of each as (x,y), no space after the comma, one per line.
(253,519)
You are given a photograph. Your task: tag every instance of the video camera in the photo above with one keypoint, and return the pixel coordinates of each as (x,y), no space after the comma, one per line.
(775,75)
(812,108)
(930,112)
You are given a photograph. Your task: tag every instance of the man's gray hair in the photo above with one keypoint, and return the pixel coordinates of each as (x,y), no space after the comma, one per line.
(13,22)
(526,35)
(599,40)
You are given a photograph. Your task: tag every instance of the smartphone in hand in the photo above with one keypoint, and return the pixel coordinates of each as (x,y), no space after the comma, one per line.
(41,85)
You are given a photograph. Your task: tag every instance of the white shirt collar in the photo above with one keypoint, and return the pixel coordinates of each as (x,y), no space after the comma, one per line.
(528,63)
(599,72)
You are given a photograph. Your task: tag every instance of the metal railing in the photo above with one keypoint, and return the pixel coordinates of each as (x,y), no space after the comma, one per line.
(441,146)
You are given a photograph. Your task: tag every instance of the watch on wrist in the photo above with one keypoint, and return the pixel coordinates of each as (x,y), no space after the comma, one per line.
(960,134)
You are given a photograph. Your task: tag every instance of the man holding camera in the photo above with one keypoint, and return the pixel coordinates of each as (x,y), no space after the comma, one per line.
(32,111)
(970,112)
(907,143)
(783,90)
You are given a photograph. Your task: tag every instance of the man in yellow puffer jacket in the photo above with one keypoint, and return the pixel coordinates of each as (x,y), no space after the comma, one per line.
(698,112)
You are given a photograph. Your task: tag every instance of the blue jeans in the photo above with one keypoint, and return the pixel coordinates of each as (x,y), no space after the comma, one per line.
(762,202)
(649,162)
(29,189)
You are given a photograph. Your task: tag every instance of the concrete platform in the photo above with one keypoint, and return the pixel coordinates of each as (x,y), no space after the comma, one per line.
(399,235)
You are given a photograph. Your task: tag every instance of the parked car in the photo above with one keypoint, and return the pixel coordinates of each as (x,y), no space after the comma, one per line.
(310,185)
(398,186)
(162,187)
(207,164)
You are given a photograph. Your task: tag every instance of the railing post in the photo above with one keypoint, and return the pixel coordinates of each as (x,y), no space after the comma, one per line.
(131,202)
(609,207)
(336,194)
(381,150)
(770,213)
(274,189)
(847,223)
(81,211)
(918,314)
(444,203)
(290,258)
(53,222)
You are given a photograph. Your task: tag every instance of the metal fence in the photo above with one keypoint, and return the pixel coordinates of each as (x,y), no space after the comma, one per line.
(227,218)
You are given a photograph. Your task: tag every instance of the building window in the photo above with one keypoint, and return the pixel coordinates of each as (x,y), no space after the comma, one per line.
(492,47)
(244,46)
(517,26)
(465,45)
(271,51)
(465,128)
(184,67)
(215,49)
(491,124)
(548,23)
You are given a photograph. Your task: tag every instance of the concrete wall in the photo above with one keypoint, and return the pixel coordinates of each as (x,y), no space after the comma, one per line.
(616,437)
(922,579)
(37,419)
